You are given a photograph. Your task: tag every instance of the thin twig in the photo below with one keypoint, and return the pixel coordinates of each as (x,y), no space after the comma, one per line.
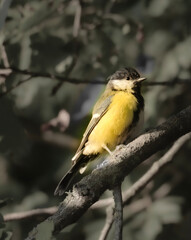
(51,76)
(136,207)
(108,223)
(56,139)
(77,19)
(31,213)
(173,82)
(155,168)
(4,56)
(4,72)
(167,187)
(102,203)
(118,217)
(15,86)
(67,73)
(65,78)
(76,30)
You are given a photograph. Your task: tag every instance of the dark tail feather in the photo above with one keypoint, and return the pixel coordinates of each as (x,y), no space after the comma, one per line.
(65,181)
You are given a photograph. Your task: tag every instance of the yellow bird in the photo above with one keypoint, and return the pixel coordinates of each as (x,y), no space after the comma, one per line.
(116,118)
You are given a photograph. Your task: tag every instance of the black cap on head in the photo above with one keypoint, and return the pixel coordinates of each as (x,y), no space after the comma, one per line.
(125,73)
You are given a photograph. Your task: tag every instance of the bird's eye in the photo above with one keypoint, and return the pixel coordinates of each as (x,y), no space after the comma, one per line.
(127,78)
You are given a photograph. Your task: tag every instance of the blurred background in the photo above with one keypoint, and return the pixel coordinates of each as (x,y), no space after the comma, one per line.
(42,119)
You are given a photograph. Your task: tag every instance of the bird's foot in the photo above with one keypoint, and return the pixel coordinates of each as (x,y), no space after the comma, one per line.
(104,146)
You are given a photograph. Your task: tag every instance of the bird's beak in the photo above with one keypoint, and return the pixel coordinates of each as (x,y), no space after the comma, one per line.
(141,79)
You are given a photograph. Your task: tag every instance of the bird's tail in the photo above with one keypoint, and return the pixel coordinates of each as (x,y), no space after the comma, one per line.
(65,181)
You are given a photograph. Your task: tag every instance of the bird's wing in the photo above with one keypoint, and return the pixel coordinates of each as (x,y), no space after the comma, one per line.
(99,110)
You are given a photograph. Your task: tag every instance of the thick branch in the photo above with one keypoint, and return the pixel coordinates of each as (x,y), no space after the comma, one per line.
(108,202)
(91,187)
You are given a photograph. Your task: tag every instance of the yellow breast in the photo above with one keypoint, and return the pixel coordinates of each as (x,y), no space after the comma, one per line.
(113,124)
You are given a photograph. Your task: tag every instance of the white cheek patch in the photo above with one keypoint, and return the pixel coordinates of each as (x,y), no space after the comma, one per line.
(123,84)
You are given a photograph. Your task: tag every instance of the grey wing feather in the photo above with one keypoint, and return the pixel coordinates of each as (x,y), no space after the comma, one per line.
(98,110)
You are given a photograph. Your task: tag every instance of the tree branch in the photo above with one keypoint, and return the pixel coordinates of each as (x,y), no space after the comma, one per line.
(127,195)
(144,180)
(118,217)
(4,57)
(91,187)
(108,223)
(15,86)
(62,79)
(31,213)
(51,76)
(77,20)
(56,139)
(155,168)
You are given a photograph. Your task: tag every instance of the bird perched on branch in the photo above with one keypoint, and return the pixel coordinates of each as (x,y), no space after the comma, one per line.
(116,118)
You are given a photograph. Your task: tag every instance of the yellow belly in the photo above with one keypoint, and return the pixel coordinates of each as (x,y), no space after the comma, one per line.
(113,124)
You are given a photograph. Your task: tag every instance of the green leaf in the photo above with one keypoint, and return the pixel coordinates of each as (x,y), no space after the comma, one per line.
(168,209)
(157,8)
(8,236)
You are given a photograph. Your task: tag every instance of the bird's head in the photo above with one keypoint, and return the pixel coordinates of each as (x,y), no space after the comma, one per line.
(126,79)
